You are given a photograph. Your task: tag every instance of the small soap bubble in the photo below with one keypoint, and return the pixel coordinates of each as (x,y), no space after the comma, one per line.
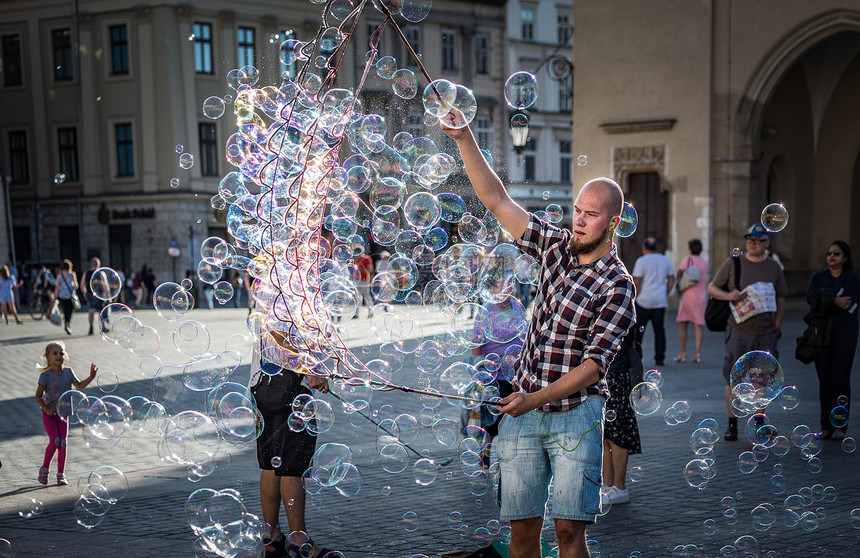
(213,107)
(736,252)
(774,217)
(636,474)
(653,377)
(709,526)
(174,182)
(582,160)
(186,160)
(545,195)
(179,148)
(610,415)
(629,221)
(849,445)
(276,461)
(842,400)
(410,521)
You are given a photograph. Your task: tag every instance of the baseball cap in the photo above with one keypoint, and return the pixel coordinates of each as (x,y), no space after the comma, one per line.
(757,231)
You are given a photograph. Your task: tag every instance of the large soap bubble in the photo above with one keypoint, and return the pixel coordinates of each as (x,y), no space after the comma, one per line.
(756,378)
(521,90)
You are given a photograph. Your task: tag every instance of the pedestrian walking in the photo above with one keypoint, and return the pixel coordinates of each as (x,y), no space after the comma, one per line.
(654,277)
(761,331)
(54,381)
(834,292)
(94,304)
(694,299)
(7,295)
(67,284)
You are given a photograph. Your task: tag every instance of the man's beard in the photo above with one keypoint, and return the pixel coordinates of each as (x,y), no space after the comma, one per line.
(578,247)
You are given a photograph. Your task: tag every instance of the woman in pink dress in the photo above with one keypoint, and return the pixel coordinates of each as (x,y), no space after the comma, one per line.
(693,301)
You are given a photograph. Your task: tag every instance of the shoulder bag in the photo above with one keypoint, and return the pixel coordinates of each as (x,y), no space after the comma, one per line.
(689,277)
(717,311)
(76,302)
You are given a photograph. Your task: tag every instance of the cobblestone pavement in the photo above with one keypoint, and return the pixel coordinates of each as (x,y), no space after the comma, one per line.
(664,511)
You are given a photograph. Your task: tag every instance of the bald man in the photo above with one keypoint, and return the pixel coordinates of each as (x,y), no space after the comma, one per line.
(583,310)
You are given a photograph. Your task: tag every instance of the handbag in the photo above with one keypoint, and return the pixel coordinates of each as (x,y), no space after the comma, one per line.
(76,302)
(717,311)
(55,317)
(805,352)
(689,277)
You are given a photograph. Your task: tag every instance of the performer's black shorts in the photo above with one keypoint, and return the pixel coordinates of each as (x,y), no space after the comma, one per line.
(277,440)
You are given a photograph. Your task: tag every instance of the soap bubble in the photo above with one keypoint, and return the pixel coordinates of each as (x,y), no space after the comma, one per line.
(213,107)
(756,378)
(849,445)
(386,67)
(186,160)
(404,83)
(59,178)
(839,416)
(463,109)
(653,377)
(646,398)
(105,283)
(410,521)
(789,398)
(521,90)
(629,221)
(438,97)
(582,160)
(27,507)
(774,217)
(174,182)
(520,121)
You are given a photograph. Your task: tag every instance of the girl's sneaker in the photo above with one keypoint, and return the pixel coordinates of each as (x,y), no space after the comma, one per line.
(43,475)
(61,479)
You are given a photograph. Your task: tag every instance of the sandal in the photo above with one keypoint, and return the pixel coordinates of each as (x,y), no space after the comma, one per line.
(280,547)
(697,358)
(680,358)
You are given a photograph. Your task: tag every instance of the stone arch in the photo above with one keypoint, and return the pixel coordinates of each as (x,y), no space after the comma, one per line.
(779,60)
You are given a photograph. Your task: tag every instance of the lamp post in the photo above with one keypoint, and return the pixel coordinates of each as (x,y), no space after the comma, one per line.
(519,130)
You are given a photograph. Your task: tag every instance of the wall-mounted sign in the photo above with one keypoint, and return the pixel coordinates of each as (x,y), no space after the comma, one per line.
(145,213)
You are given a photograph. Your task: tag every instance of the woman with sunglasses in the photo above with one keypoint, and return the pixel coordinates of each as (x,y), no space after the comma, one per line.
(835,292)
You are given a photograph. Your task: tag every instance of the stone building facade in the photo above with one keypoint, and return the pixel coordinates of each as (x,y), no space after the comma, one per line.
(96,105)
(707,111)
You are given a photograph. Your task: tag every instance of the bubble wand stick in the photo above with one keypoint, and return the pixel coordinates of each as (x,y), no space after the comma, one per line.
(339,398)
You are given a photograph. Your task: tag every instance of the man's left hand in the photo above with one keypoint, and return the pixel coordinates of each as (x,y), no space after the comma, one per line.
(318,382)
(518,403)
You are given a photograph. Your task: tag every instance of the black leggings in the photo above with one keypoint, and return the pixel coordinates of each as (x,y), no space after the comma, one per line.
(67,308)
(834,376)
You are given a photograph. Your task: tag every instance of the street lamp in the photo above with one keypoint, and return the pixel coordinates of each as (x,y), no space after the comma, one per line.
(519,130)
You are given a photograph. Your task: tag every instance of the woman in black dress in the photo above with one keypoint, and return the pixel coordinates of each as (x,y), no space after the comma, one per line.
(621,434)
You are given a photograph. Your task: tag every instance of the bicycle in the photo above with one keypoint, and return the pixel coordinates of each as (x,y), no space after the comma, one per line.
(39,304)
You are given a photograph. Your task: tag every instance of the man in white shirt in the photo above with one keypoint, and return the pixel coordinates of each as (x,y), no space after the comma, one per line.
(654,277)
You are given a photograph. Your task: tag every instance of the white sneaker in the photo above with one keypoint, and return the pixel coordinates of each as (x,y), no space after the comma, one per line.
(606,494)
(619,496)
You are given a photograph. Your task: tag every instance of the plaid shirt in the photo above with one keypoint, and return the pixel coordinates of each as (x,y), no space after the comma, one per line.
(581,312)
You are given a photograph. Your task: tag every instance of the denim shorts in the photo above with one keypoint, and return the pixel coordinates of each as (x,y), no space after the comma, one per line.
(529,458)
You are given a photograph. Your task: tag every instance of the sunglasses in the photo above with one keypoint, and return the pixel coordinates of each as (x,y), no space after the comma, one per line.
(834,253)
(757,240)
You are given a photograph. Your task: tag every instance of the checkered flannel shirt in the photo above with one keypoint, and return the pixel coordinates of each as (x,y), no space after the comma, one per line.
(581,312)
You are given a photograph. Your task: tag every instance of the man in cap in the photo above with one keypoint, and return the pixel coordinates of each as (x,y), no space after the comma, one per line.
(760,332)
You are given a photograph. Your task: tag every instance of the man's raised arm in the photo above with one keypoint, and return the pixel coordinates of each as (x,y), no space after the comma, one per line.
(487,183)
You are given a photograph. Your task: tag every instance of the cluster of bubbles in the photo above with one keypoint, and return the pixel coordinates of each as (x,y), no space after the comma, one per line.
(224,526)
(99,491)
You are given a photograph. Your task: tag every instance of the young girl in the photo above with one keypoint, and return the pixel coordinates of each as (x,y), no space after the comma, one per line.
(53,382)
